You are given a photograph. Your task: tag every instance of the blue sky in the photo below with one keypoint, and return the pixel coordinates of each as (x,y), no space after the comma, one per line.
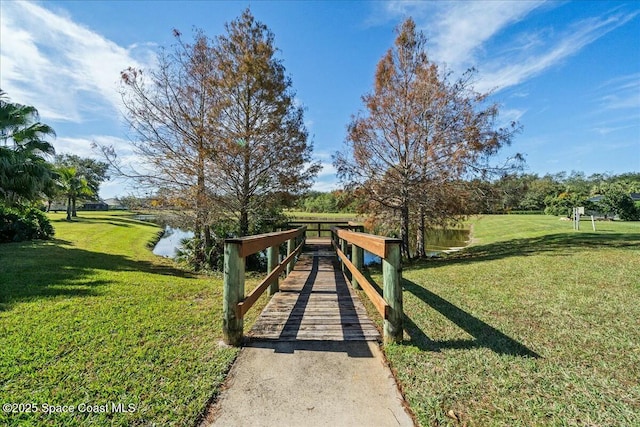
(569,72)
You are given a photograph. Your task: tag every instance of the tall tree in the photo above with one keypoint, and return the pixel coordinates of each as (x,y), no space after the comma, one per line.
(24,171)
(263,150)
(73,186)
(219,129)
(93,171)
(420,132)
(169,109)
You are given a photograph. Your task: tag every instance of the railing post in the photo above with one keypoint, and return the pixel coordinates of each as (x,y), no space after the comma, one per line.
(291,246)
(233,293)
(273,253)
(392,293)
(343,248)
(357,257)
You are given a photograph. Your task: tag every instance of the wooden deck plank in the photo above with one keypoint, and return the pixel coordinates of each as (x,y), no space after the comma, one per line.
(315,303)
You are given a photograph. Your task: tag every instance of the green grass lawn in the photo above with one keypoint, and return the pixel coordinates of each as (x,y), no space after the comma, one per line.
(94,318)
(533,325)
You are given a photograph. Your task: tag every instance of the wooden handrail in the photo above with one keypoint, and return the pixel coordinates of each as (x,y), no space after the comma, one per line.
(253,244)
(235,305)
(377,245)
(389,305)
(377,300)
(244,306)
(315,225)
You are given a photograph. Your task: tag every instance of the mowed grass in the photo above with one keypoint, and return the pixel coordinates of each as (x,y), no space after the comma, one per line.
(94,318)
(533,325)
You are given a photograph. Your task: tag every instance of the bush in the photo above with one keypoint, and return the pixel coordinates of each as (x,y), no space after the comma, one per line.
(17,225)
(617,201)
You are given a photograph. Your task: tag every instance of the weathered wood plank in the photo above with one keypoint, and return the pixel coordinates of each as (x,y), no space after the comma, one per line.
(315,303)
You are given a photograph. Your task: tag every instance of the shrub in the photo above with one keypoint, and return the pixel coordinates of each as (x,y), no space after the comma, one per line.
(29,223)
(617,201)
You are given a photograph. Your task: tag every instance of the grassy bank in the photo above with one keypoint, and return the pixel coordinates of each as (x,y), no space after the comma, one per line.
(534,325)
(94,318)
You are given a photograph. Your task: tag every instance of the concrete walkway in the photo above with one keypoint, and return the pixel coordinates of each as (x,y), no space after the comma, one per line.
(299,371)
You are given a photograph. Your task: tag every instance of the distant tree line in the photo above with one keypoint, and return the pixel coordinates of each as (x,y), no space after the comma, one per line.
(557,194)
(337,201)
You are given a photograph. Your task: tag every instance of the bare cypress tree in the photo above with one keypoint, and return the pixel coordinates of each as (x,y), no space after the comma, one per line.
(169,109)
(264,151)
(420,133)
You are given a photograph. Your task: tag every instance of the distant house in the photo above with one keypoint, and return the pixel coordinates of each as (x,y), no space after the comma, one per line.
(115,205)
(95,206)
(634,196)
(596,199)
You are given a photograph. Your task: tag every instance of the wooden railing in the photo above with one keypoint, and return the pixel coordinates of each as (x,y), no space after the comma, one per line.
(389,304)
(316,225)
(235,304)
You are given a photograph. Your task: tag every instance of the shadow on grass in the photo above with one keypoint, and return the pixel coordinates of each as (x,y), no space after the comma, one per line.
(119,221)
(559,244)
(49,269)
(485,335)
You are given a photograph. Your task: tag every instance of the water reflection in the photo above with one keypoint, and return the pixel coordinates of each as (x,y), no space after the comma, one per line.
(171,241)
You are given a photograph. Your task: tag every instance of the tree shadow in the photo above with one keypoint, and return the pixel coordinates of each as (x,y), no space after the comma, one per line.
(52,268)
(485,335)
(118,221)
(560,244)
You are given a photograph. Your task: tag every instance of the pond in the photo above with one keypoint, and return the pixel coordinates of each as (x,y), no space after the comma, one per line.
(171,241)
(438,241)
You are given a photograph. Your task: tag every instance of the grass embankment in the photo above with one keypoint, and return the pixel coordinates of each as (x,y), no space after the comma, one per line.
(94,318)
(533,325)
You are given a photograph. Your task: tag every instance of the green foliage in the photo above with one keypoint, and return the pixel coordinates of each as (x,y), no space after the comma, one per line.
(264,220)
(555,194)
(616,201)
(339,201)
(17,225)
(24,172)
(93,171)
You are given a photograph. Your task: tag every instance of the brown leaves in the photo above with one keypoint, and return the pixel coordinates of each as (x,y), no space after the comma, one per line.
(421,134)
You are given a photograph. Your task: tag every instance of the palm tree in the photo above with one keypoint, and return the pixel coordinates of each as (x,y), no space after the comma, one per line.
(24,171)
(73,186)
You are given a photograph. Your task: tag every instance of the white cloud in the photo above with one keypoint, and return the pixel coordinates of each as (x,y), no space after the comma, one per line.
(64,69)
(458,30)
(621,93)
(460,34)
(518,67)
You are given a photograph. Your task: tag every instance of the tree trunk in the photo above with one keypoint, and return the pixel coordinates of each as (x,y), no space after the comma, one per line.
(404,231)
(246,198)
(74,213)
(208,245)
(404,222)
(199,249)
(68,208)
(420,251)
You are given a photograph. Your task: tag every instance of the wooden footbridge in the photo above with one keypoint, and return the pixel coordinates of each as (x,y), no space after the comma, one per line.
(317,299)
